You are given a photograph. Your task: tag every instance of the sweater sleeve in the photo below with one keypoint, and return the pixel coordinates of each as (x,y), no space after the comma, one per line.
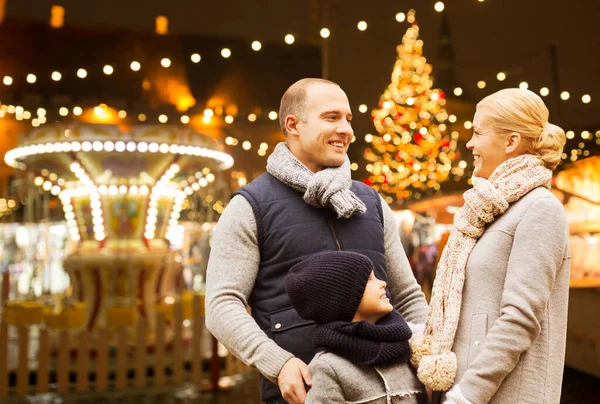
(407,296)
(231,273)
(532,267)
(326,387)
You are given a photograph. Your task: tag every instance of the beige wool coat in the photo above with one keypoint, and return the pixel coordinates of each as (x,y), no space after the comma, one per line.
(510,342)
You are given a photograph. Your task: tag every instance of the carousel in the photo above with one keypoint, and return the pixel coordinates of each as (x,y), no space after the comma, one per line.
(122,191)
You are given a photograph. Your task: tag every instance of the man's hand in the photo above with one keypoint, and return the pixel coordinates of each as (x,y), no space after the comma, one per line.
(291,381)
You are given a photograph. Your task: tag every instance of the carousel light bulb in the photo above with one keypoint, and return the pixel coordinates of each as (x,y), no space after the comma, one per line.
(362,25)
(229,119)
(226,53)
(142,147)
(325,33)
(256,46)
(210,177)
(103,189)
(544,91)
(120,146)
(109,146)
(135,66)
(162,118)
(56,76)
(362,108)
(7,80)
(439,6)
(289,39)
(82,73)
(165,62)
(400,17)
(97,146)
(272,115)
(523,85)
(31,78)
(77,111)
(195,57)
(458,91)
(144,190)
(122,114)
(565,95)
(123,189)
(86,146)
(481,84)
(108,70)
(185,119)
(501,76)
(586,99)
(252,117)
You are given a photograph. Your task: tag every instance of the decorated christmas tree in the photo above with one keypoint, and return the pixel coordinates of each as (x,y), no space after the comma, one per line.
(412,154)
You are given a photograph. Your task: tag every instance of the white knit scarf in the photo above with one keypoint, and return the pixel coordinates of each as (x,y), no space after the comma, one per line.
(328,187)
(431,351)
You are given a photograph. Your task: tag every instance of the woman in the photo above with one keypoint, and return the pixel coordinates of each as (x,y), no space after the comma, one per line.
(497,323)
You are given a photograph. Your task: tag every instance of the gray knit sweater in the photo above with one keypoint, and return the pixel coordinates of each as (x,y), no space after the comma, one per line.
(232,270)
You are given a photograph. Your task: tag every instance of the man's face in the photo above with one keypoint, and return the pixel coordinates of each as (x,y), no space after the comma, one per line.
(324,133)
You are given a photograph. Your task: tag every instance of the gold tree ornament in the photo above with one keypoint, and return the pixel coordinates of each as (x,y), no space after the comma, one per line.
(412,154)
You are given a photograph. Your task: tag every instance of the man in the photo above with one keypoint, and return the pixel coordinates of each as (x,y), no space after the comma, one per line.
(305,203)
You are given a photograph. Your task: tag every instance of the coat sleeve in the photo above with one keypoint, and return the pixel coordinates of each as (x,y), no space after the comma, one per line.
(326,386)
(538,248)
(230,276)
(407,296)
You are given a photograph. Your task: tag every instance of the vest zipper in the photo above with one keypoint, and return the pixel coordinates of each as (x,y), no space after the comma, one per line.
(337,241)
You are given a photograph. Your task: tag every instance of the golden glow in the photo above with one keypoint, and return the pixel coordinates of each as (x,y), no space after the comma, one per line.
(325,33)
(122,114)
(195,58)
(246,145)
(56,76)
(523,85)
(400,17)
(544,91)
(458,91)
(82,73)
(108,70)
(63,111)
(162,118)
(362,25)
(362,108)
(142,117)
(229,119)
(256,45)
(7,80)
(468,125)
(31,78)
(586,99)
(77,111)
(481,84)
(565,95)
(135,66)
(57,16)
(501,76)
(161,25)
(185,119)
(225,52)
(289,39)
(272,115)
(252,117)
(439,6)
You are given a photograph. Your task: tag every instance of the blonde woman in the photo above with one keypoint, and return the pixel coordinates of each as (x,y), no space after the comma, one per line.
(496,328)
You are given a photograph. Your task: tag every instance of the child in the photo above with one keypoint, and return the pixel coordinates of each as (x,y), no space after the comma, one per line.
(362,341)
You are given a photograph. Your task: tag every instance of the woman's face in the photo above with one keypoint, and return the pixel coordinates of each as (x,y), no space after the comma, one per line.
(489,149)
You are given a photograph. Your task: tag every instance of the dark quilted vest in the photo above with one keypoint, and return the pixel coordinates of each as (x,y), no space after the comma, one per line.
(290,230)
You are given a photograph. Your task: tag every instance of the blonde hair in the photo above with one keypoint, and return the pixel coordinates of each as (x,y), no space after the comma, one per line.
(523,111)
(293,101)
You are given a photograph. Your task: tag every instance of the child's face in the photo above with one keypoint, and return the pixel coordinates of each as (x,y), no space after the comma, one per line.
(374,303)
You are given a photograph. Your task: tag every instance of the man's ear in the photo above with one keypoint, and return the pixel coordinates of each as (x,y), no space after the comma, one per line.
(291,125)
(513,143)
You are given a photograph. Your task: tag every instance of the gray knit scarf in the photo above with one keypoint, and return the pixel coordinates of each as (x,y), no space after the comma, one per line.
(328,187)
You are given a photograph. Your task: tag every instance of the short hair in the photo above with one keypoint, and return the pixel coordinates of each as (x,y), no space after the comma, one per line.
(293,101)
(523,111)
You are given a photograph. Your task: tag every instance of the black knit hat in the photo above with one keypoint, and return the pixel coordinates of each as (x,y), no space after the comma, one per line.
(329,286)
